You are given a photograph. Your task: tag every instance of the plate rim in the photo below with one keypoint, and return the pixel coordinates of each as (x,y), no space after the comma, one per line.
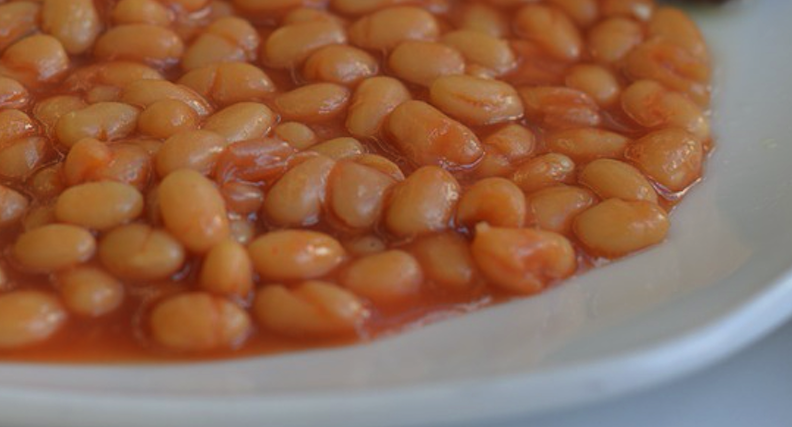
(643,368)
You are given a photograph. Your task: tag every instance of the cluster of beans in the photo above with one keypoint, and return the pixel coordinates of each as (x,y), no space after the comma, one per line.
(215,172)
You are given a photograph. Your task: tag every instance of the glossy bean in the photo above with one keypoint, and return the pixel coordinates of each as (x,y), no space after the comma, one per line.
(386,28)
(35,60)
(295,255)
(653,106)
(385,278)
(596,81)
(198,321)
(12,93)
(227,270)
(586,144)
(140,42)
(314,102)
(13,206)
(99,205)
(311,309)
(373,101)
(559,107)
(228,39)
(476,101)
(229,83)
(496,201)
(426,136)
(297,197)
(139,252)
(356,194)
(423,203)
(671,157)
(289,46)
(504,148)
(615,179)
(166,118)
(340,64)
(53,247)
(242,121)
(193,210)
(142,12)
(491,53)
(298,135)
(104,120)
(446,261)
(75,23)
(551,28)
(523,261)
(611,40)
(616,227)
(90,291)
(543,171)
(422,62)
(29,317)
(143,93)
(21,157)
(554,208)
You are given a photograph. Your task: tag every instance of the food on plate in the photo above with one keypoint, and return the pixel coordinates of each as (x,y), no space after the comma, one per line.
(197,179)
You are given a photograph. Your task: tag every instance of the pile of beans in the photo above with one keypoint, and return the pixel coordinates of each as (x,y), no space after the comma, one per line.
(225,177)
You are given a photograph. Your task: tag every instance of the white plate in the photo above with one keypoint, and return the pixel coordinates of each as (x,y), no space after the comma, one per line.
(720,282)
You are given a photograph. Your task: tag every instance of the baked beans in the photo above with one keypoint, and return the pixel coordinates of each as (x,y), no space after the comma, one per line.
(193,179)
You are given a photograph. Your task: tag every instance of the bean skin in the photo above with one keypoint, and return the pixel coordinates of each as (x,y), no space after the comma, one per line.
(105,120)
(75,23)
(198,321)
(586,144)
(372,103)
(385,278)
(90,292)
(312,309)
(227,269)
(29,317)
(493,54)
(340,64)
(476,101)
(386,28)
(139,252)
(295,255)
(99,205)
(35,60)
(426,136)
(357,194)
(147,43)
(229,83)
(290,45)
(616,227)
(671,157)
(193,210)
(543,171)
(297,198)
(615,179)
(496,201)
(523,261)
(551,28)
(422,62)
(12,206)
(54,247)
(313,103)
(423,203)
(554,208)
(447,262)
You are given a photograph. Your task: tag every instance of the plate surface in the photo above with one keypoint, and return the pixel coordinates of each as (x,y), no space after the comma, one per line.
(720,282)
